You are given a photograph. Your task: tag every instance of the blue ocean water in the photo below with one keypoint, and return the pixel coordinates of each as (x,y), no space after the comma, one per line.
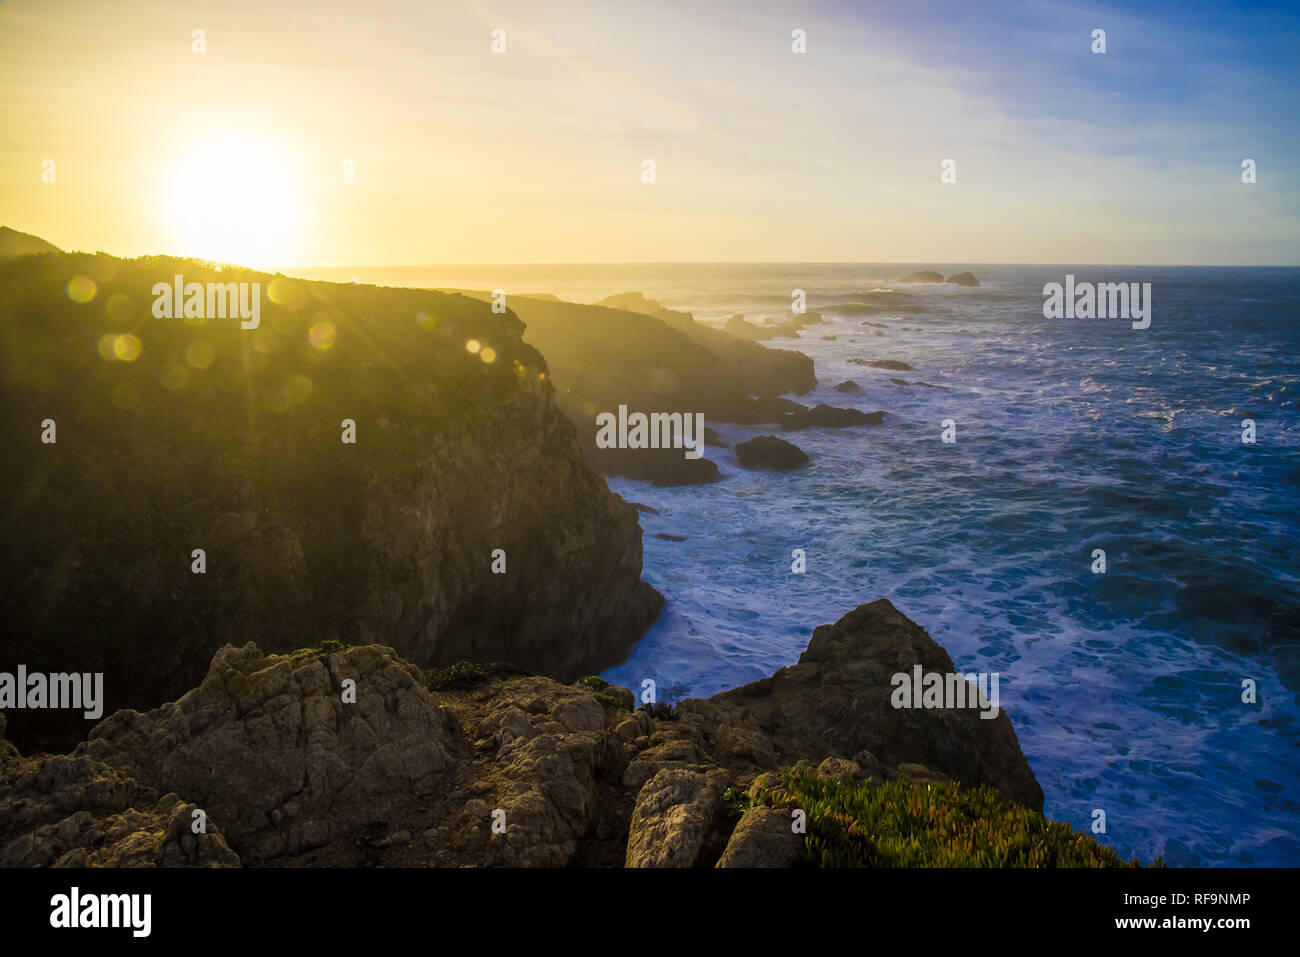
(1125,688)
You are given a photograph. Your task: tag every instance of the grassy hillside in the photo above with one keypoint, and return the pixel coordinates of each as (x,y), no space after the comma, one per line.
(14,243)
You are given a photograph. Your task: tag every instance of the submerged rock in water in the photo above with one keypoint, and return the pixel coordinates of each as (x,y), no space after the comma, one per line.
(663,467)
(895,365)
(830,416)
(848,386)
(963,279)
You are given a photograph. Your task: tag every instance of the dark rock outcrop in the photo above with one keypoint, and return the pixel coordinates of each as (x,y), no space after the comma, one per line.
(848,386)
(837,699)
(924,276)
(962,279)
(769,452)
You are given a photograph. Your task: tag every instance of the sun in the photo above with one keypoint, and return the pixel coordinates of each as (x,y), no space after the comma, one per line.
(232,198)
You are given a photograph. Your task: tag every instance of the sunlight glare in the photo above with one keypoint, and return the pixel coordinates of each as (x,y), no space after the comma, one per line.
(231,199)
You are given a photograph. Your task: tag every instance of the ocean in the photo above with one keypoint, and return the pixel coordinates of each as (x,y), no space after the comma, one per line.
(1125,688)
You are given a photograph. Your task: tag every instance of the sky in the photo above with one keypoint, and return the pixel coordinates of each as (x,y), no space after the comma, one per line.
(459,154)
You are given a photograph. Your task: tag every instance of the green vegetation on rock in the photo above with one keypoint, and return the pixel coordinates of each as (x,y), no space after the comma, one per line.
(462,675)
(324,650)
(897,824)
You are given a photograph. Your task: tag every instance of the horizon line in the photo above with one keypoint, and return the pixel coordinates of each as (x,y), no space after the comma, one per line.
(771,262)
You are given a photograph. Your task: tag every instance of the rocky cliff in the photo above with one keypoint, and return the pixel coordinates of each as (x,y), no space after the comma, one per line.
(456,521)
(629,350)
(486,766)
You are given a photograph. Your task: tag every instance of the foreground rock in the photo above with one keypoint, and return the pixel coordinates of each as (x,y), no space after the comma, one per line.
(769,452)
(763,838)
(75,811)
(484,766)
(675,815)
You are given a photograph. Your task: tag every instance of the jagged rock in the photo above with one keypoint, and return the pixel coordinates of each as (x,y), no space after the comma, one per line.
(61,811)
(769,452)
(963,279)
(666,750)
(674,815)
(837,699)
(763,838)
(268,749)
(290,775)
